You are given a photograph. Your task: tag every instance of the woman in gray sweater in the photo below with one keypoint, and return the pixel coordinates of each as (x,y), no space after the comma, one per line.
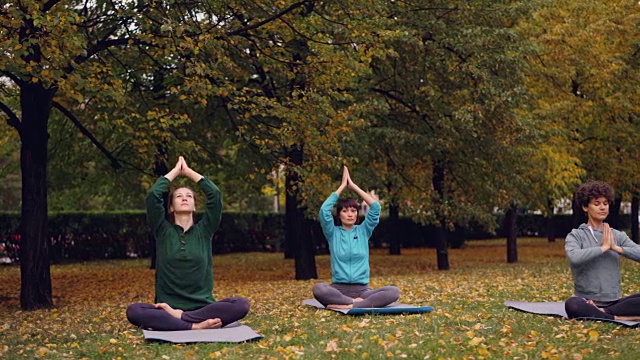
(594,251)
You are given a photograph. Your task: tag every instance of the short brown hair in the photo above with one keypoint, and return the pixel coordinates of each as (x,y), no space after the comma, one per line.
(347,203)
(594,189)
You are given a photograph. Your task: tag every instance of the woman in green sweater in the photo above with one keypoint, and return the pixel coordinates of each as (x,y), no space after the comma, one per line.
(184,266)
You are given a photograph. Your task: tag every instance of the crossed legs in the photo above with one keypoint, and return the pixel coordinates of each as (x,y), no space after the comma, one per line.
(626,308)
(347,296)
(163,317)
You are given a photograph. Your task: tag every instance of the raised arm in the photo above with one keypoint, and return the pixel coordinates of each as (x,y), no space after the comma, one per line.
(155,199)
(325,215)
(176,171)
(372,218)
(624,246)
(576,254)
(213,205)
(344,182)
(185,170)
(364,195)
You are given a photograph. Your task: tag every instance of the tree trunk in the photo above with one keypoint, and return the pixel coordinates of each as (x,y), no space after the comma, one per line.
(299,52)
(394,241)
(35,290)
(510,225)
(579,216)
(290,217)
(635,203)
(298,232)
(614,213)
(551,229)
(160,168)
(442,251)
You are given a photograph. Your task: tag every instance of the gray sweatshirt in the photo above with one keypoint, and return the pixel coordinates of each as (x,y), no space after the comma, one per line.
(596,275)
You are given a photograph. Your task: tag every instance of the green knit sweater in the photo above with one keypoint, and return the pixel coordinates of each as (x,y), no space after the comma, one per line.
(184,264)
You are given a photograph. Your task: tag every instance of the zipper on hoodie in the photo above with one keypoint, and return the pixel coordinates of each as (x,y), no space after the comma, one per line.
(592,233)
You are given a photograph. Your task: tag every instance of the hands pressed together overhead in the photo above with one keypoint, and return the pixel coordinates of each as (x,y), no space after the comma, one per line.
(181,166)
(182,169)
(348,183)
(346,180)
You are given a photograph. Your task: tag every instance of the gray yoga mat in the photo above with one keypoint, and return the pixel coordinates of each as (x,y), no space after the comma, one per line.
(394,308)
(557,309)
(234,332)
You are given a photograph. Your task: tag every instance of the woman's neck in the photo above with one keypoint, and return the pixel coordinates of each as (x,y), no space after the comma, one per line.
(184,220)
(595,223)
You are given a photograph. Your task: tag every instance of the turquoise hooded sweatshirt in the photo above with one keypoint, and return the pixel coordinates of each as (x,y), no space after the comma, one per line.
(349,248)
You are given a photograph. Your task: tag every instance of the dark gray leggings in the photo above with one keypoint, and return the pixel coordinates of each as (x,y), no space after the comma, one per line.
(627,306)
(148,316)
(343,294)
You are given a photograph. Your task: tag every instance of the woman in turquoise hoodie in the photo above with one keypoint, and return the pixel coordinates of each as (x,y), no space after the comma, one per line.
(594,250)
(184,266)
(349,248)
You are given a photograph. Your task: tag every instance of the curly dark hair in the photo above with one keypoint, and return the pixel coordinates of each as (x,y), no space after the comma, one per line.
(593,189)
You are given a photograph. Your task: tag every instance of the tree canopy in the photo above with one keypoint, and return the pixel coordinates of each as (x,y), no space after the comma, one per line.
(449,110)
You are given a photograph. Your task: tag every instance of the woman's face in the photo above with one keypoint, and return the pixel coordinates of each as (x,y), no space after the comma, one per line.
(348,216)
(183,201)
(598,209)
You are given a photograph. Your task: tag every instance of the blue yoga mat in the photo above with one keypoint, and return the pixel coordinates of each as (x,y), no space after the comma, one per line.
(234,332)
(395,308)
(557,309)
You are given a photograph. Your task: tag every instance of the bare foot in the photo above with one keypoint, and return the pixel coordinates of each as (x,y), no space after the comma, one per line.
(615,317)
(207,324)
(340,306)
(176,313)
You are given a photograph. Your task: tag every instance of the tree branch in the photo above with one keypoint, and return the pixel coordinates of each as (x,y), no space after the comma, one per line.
(269,19)
(411,108)
(13,77)
(12,118)
(98,47)
(49,4)
(114,162)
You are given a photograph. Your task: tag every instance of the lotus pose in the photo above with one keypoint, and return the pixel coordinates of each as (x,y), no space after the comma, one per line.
(184,267)
(349,248)
(594,251)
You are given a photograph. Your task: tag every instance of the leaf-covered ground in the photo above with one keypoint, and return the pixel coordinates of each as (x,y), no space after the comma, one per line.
(470,321)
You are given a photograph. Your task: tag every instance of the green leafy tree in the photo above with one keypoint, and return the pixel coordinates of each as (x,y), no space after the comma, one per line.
(583,77)
(450,141)
(97,64)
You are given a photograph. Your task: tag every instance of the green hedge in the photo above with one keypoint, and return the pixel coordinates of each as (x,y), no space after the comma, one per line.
(84,236)
(117,235)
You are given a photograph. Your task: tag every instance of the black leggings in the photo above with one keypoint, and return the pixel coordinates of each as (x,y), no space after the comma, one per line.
(343,294)
(148,316)
(626,306)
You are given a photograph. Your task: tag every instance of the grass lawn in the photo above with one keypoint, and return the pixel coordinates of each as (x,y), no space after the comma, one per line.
(470,321)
